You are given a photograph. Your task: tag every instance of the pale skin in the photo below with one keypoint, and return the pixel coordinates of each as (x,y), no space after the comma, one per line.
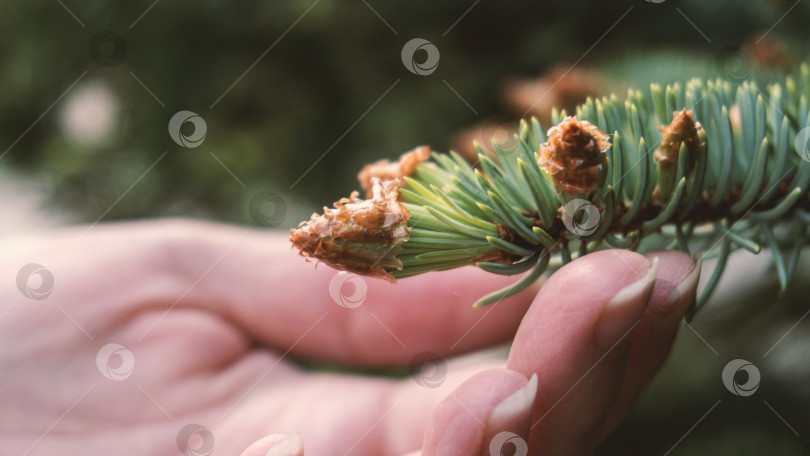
(215,316)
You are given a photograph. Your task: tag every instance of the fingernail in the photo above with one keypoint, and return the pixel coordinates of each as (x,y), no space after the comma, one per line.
(688,284)
(292,445)
(513,412)
(622,312)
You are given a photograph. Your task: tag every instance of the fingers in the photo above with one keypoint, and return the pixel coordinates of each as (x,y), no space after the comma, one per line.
(277,445)
(652,339)
(585,324)
(255,280)
(489,403)
(575,337)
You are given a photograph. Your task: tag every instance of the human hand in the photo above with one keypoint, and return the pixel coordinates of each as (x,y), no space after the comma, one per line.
(209,317)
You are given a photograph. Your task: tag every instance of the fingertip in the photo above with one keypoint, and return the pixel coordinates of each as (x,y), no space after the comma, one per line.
(565,312)
(570,337)
(486,403)
(624,310)
(652,340)
(677,277)
(596,276)
(511,414)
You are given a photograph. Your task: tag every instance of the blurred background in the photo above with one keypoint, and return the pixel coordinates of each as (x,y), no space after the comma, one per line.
(260,113)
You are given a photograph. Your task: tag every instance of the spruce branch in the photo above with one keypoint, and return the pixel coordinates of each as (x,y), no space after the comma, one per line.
(704,167)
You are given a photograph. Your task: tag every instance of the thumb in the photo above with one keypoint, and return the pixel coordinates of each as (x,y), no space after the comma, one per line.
(576,337)
(492,407)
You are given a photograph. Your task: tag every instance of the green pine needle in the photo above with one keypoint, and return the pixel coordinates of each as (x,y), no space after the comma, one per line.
(734,182)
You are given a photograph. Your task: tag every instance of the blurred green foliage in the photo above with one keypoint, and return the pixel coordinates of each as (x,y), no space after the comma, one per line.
(299,92)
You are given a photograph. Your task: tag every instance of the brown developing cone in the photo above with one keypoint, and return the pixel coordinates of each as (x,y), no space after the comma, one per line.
(682,129)
(361,236)
(386,170)
(574,155)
